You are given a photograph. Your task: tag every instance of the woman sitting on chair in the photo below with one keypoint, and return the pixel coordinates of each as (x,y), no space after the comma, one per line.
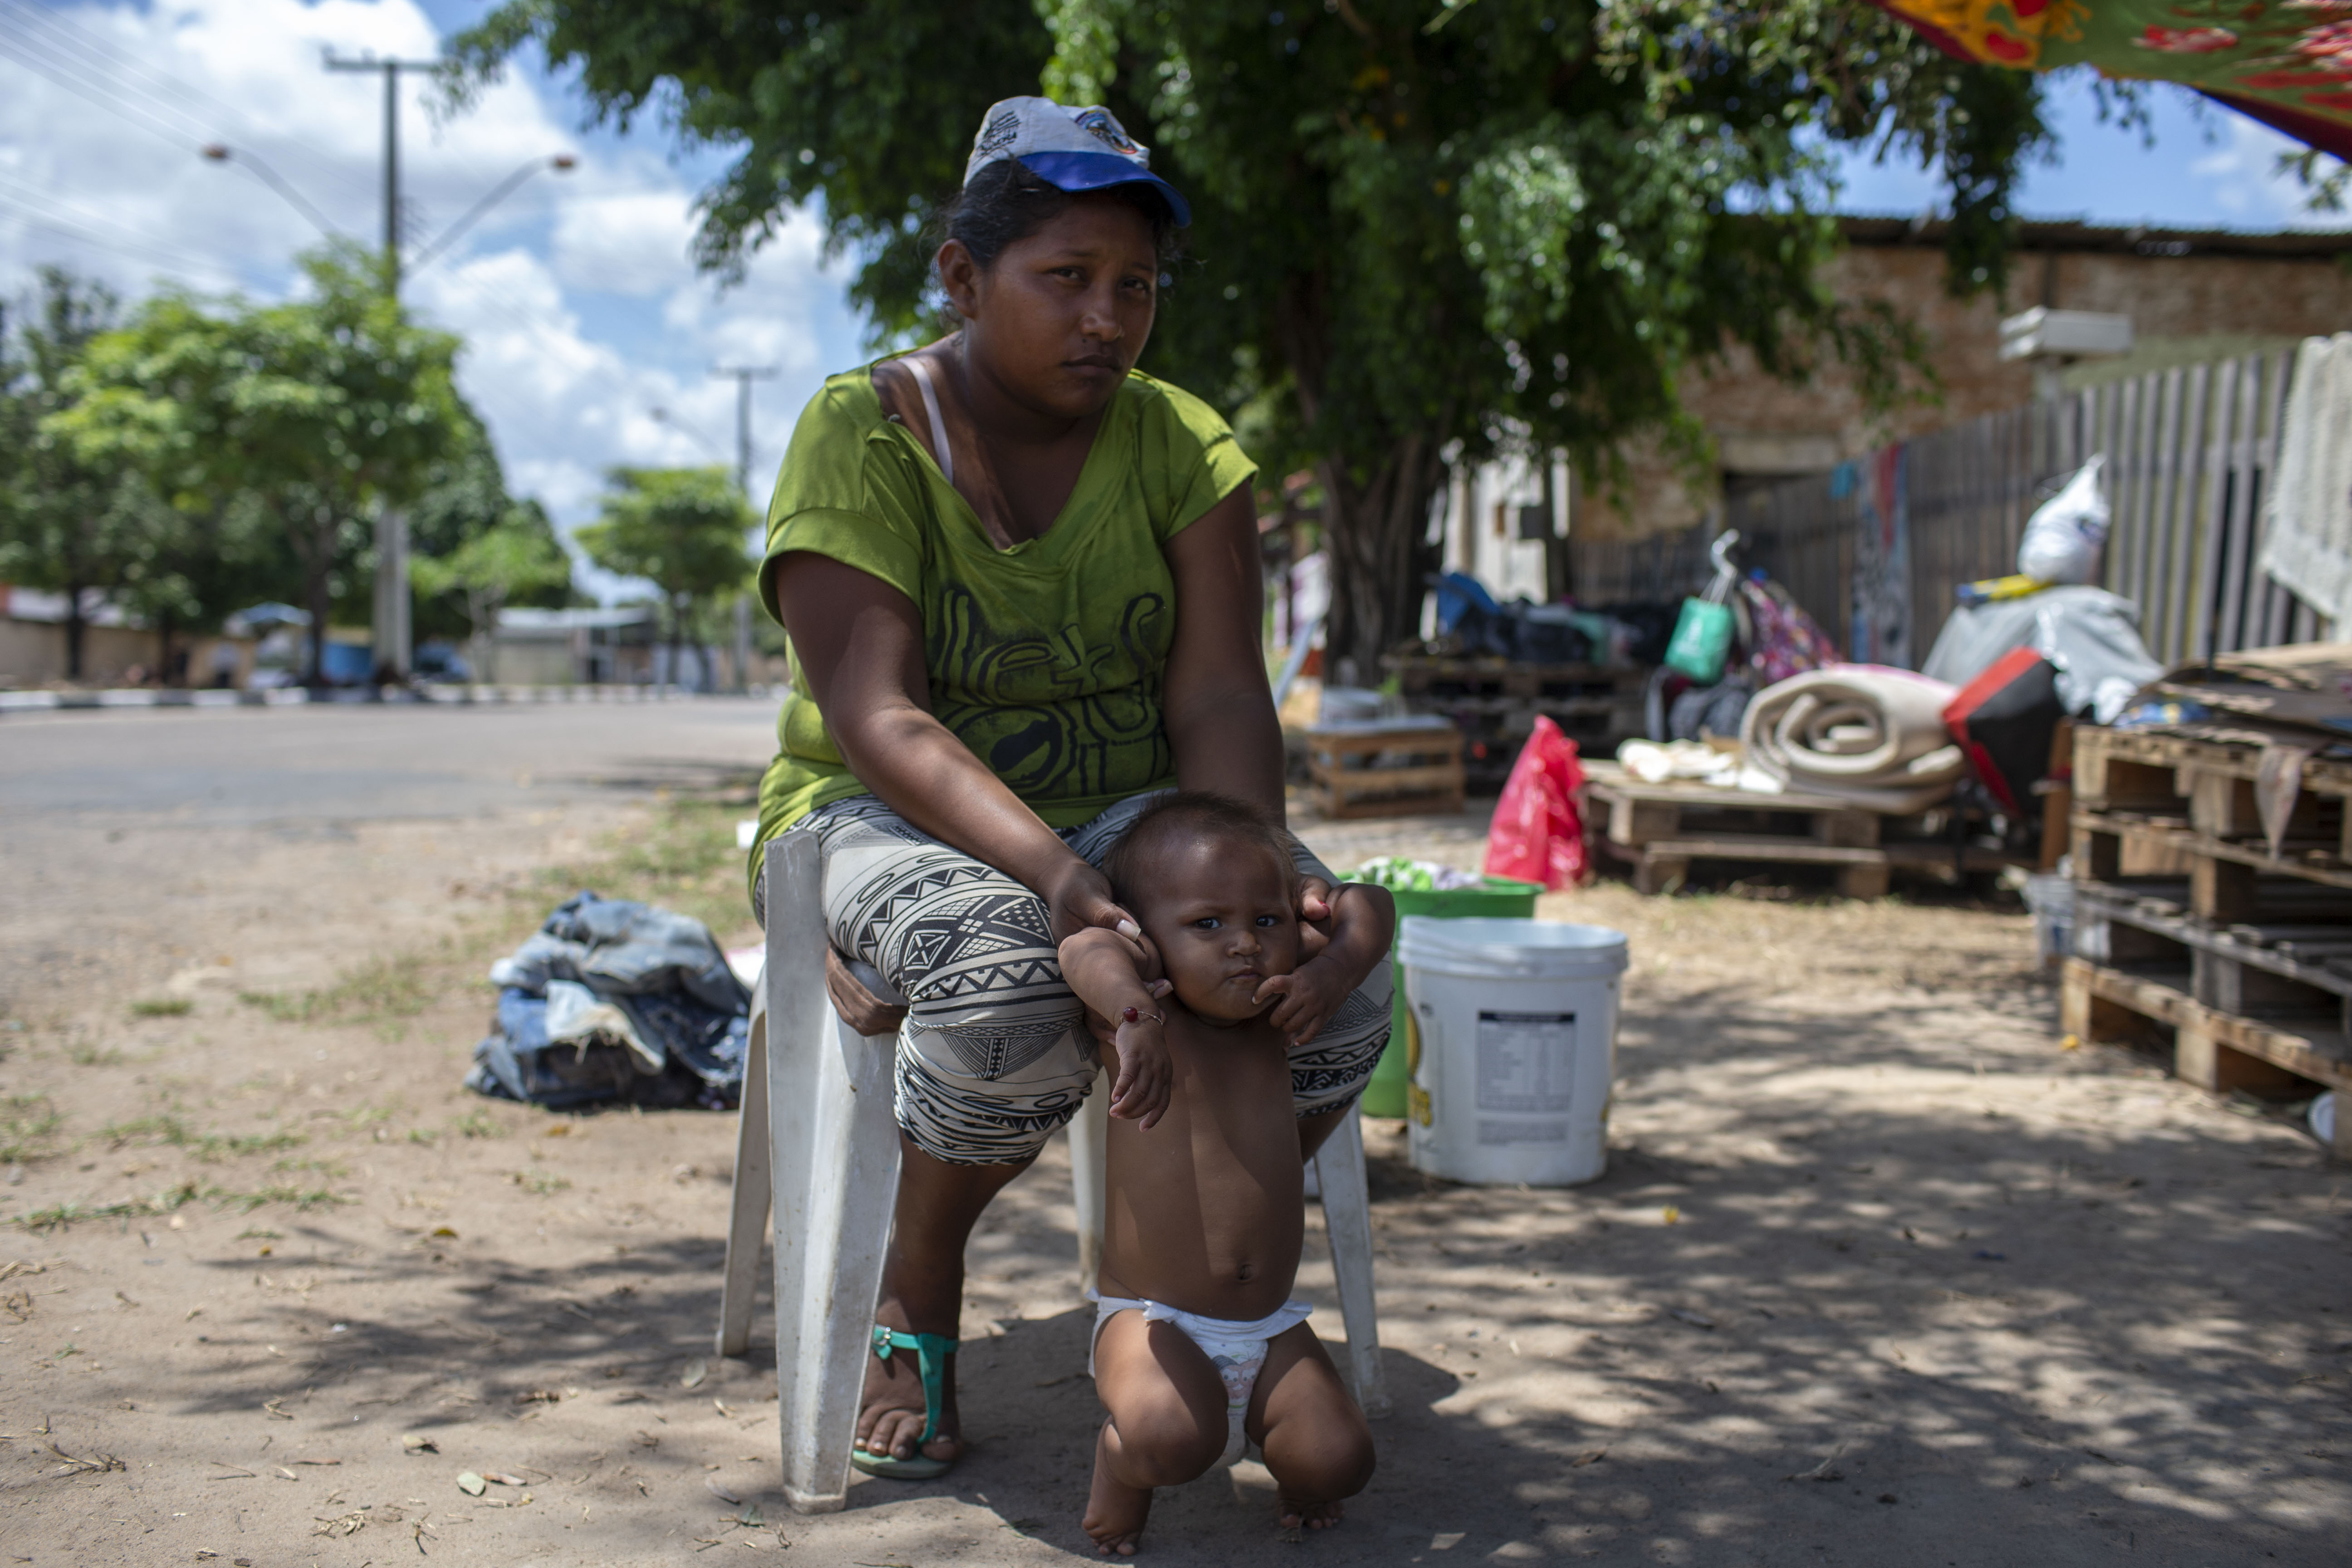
(1022,584)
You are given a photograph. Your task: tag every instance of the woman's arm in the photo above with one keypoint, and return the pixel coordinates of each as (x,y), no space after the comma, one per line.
(1219,706)
(1220,710)
(860,643)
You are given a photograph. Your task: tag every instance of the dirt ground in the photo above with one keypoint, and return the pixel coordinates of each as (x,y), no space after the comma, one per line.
(1879,1274)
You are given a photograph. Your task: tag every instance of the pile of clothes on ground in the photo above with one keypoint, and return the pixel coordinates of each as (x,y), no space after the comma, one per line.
(615,1002)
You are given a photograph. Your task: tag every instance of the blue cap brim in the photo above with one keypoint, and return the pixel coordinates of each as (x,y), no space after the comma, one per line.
(1098,171)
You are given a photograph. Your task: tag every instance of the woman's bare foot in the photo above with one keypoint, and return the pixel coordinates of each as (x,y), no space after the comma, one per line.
(1293,1514)
(890,1417)
(1115,1510)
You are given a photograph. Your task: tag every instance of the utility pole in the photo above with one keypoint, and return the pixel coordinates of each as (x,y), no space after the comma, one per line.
(744,374)
(395,650)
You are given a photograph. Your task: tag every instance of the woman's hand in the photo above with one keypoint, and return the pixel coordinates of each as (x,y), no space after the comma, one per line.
(1314,918)
(857,1007)
(1078,897)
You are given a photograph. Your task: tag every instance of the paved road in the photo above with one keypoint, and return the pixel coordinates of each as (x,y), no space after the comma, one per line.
(253,766)
(133,839)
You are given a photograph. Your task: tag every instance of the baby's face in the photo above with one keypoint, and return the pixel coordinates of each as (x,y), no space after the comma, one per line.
(1225,920)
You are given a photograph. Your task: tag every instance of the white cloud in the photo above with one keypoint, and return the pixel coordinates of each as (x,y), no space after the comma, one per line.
(2243,176)
(577,298)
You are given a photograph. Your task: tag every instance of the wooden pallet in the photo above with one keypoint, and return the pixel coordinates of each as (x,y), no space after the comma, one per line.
(2298,972)
(2214,1049)
(2147,802)
(1406,769)
(1660,828)
(1495,704)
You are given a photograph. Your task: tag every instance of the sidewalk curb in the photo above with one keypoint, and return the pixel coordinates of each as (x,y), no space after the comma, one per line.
(297,697)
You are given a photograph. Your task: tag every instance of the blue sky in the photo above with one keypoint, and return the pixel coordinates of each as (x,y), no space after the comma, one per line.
(582,312)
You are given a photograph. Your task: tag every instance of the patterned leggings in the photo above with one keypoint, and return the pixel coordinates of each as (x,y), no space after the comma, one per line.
(995,1054)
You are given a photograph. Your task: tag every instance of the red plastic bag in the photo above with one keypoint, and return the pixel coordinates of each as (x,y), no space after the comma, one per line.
(1537,834)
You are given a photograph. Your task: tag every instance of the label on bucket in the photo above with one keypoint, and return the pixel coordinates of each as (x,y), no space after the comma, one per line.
(1526,1062)
(1522,1132)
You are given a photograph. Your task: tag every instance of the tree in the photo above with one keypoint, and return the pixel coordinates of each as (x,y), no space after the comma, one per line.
(466,504)
(1424,229)
(515,560)
(59,518)
(681,529)
(318,412)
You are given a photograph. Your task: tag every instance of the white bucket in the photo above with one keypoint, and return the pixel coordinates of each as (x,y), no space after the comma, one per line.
(1510,1041)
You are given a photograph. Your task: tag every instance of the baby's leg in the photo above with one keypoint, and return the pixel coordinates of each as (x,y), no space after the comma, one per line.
(1315,1439)
(1166,1424)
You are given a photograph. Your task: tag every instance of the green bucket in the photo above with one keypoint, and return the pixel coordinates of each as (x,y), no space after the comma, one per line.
(1501,897)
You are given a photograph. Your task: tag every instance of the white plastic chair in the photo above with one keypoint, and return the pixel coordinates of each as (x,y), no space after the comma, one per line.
(819,1142)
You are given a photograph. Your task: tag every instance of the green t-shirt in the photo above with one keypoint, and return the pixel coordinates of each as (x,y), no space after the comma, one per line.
(1045,658)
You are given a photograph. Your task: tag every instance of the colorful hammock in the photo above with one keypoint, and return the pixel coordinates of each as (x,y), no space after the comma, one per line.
(2287,63)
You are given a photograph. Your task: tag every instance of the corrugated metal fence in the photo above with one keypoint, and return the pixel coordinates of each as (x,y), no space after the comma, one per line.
(1874,549)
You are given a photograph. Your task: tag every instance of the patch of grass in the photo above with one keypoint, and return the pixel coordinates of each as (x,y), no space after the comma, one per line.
(161,1007)
(58,1217)
(477,1123)
(685,860)
(327,1168)
(88,1056)
(546,1184)
(382,988)
(303,1199)
(205,1146)
(259,1232)
(27,1124)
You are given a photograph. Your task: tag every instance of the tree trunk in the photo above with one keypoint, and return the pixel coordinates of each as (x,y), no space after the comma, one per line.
(677,637)
(164,627)
(1376,524)
(77,631)
(1375,518)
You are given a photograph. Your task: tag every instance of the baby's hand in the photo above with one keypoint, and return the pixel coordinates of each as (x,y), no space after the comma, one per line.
(1305,998)
(1140,1092)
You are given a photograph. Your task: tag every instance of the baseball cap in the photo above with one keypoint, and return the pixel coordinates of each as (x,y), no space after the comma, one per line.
(1071,149)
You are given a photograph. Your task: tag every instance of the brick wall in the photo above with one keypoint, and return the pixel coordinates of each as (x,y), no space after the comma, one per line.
(2192,296)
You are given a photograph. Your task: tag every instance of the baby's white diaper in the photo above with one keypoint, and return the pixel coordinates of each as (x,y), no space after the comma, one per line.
(1236,1350)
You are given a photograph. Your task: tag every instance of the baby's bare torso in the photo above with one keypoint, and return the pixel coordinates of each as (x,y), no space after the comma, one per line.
(1205,1209)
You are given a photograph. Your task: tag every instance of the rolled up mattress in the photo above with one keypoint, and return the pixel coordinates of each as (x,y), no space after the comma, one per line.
(1861,733)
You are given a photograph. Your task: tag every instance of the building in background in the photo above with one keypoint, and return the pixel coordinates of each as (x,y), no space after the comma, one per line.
(612,647)
(2192,296)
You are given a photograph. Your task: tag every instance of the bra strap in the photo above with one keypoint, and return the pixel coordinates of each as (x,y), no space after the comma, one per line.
(938,426)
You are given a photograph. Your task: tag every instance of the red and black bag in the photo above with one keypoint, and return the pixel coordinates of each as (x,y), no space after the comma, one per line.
(2003,721)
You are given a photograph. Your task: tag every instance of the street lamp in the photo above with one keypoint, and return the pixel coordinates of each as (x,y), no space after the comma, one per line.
(562,163)
(392,648)
(222,152)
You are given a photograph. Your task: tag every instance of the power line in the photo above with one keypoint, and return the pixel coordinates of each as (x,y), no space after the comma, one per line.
(128,250)
(96,56)
(31,59)
(31,199)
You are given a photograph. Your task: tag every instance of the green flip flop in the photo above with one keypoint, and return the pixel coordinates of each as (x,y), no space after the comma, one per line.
(931,1352)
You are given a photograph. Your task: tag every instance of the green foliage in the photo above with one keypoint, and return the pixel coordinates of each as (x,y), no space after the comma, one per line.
(306,418)
(515,560)
(59,527)
(161,1007)
(1423,231)
(476,548)
(683,530)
